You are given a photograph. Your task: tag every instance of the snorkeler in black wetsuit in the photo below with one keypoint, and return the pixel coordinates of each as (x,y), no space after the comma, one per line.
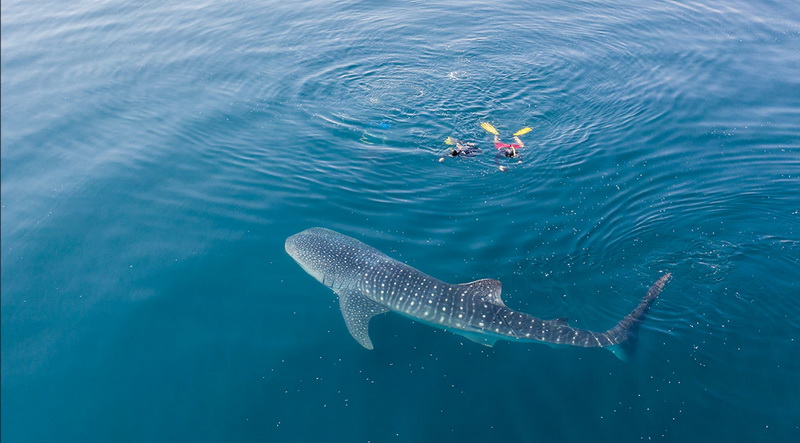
(461,149)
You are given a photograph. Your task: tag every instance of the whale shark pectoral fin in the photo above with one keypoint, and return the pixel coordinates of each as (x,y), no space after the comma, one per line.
(479,338)
(357,311)
(488,289)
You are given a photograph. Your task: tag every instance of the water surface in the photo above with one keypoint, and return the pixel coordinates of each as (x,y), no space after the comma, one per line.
(155,157)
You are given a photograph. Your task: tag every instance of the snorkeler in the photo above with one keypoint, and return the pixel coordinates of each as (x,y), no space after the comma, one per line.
(505,149)
(461,149)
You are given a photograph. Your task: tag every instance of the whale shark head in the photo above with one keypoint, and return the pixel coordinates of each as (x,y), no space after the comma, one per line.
(305,248)
(332,258)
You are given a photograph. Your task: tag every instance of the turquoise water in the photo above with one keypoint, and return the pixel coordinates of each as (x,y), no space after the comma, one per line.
(156,156)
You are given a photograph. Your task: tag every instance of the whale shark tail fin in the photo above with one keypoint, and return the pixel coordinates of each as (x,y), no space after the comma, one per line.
(625,333)
(623,351)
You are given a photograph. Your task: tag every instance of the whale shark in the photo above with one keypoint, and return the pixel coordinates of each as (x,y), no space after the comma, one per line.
(368,283)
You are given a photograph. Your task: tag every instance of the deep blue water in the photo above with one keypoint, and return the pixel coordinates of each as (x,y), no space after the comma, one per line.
(156,156)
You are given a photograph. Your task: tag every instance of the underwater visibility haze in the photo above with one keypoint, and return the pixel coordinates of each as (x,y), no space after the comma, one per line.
(156,156)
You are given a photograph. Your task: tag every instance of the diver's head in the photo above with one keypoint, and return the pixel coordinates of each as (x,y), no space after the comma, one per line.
(454,153)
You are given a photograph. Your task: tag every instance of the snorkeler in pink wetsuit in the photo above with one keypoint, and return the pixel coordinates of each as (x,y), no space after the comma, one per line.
(507,150)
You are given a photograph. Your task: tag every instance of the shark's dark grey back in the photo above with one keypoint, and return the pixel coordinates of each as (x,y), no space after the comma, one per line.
(334,259)
(369,283)
(365,279)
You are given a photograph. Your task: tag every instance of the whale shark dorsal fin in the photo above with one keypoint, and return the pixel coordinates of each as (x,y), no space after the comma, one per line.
(357,311)
(488,289)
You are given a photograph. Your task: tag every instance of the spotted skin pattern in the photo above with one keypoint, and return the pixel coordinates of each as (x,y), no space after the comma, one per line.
(369,283)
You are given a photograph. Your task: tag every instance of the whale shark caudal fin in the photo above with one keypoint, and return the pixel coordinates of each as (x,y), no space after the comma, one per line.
(357,311)
(626,332)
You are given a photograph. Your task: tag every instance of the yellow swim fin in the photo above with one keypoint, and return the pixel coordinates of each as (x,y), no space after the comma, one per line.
(523,131)
(489,128)
(449,141)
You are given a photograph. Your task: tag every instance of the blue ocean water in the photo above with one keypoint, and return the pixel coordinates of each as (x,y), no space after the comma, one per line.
(156,155)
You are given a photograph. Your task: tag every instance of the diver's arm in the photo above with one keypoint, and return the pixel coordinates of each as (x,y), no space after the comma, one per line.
(497,157)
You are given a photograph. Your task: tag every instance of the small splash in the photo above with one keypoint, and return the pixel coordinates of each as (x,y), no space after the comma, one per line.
(457,75)
(708,261)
